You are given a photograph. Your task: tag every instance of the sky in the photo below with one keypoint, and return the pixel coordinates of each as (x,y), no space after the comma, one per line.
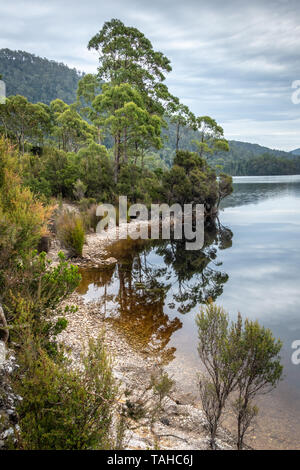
(233,60)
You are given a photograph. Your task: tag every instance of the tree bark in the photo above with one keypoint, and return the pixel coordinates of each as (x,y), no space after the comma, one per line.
(3,326)
(177,137)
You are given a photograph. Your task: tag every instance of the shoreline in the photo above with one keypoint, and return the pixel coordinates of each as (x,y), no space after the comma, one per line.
(182,425)
(132,362)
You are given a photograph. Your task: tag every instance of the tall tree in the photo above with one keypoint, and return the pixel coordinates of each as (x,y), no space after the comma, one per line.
(121,109)
(127,56)
(181,117)
(211,137)
(24,120)
(88,88)
(70,130)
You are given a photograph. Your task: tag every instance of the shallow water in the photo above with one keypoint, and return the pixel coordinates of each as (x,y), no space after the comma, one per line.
(250,263)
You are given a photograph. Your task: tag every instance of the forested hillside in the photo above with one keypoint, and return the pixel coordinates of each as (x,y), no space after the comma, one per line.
(42,80)
(244,159)
(37,79)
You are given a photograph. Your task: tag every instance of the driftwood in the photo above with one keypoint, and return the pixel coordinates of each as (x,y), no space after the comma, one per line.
(4,334)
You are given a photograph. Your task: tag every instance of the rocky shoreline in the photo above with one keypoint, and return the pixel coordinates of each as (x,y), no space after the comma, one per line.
(182,424)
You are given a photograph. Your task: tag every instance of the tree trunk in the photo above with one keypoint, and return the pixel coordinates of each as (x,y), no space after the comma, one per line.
(99,136)
(3,326)
(117,157)
(177,137)
(125,145)
(239,443)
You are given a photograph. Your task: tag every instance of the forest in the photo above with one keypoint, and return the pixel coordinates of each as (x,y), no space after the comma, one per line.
(36,78)
(41,80)
(85,150)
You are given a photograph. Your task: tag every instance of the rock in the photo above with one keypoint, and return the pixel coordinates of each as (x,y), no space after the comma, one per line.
(110,261)
(165,421)
(44,244)
(2,353)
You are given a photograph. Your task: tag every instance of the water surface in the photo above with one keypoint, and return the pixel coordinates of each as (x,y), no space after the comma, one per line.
(250,263)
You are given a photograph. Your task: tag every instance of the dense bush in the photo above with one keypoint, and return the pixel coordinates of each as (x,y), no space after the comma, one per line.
(22,217)
(64,408)
(33,292)
(70,231)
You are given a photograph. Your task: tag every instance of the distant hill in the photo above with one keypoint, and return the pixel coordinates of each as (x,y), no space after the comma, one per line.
(240,158)
(253,150)
(36,78)
(252,159)
(45,80)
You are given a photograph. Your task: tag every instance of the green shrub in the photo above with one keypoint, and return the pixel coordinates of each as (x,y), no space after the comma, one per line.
(79,189)
(23,219)
(64,408)
(90,219)
(85,203)
(70,231)
(32,296)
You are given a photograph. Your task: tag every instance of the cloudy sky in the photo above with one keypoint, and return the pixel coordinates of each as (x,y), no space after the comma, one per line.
(235,60)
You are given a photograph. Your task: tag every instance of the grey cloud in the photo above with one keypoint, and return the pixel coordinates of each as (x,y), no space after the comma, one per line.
(234,60)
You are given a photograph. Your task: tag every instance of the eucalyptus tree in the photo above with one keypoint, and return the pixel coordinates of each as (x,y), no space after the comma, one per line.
(88,88)
(211,137)
(24,120)
(127,56)
(181,117)
(70,129)
(122,111)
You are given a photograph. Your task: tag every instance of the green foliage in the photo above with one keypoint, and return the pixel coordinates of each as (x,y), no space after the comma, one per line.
(122,111)
(149,406)
(79,190)
(22,217)
(211,136)
(127,56)
(66,409)
(70,231)
(181,117)
(96,172)
(242,357)
(191,179)
(70,130)
(23,120)
(162,386)
(244,159)
(33,292)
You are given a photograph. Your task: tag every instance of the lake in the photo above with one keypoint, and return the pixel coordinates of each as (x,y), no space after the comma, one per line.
(250,263)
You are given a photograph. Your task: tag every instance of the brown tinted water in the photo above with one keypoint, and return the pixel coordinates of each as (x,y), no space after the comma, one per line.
(250,263)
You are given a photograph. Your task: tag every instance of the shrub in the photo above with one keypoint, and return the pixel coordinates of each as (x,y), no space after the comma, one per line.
(64,408)
(23,218)
(90,219)
(79,189)
(85,203)
(242,357)
(32,296)
(70,231)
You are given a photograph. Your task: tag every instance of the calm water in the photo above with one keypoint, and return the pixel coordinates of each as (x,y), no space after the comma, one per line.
(250,263)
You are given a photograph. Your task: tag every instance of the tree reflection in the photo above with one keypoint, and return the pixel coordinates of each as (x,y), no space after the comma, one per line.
(196,271)
(152,278)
